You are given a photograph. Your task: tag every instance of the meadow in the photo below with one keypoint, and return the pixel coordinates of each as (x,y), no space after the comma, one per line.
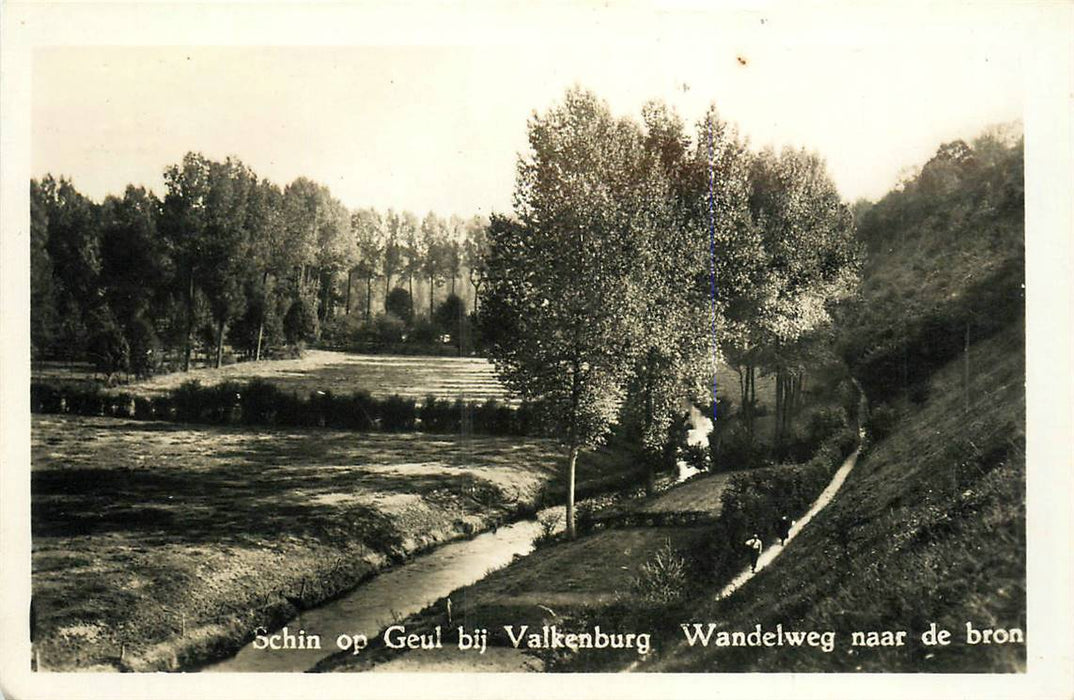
(158,545)
(468,378)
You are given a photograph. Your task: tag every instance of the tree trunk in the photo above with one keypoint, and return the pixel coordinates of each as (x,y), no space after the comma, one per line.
(347,310)
(571,465)
(261,321)
(430,298)
(477,288)
(189,324)
(220,345)
(368,297)
(752,381)
(327,280)
(387,288)
(778,423)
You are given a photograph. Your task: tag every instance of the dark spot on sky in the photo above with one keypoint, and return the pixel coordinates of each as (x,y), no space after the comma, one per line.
(742,61)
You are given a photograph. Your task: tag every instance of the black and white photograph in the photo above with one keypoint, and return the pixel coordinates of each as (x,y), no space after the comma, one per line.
(686,345)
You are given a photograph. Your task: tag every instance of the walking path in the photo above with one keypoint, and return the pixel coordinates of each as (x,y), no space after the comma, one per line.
(769,555)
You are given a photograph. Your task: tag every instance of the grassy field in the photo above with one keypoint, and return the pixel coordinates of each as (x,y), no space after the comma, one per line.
(156,545)
(468,378)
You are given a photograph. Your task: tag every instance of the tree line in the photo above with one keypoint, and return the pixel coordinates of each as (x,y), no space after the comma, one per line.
(228,259)
(640,253)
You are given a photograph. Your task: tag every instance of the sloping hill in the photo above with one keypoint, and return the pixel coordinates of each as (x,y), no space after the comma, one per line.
(929,527)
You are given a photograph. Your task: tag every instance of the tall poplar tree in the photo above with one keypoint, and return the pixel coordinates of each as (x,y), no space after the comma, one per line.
(563,304)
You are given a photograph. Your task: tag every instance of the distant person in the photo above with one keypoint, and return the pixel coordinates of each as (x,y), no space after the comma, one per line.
(755,545)
(783,529)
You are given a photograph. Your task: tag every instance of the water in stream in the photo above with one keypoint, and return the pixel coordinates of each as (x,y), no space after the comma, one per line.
(395,593)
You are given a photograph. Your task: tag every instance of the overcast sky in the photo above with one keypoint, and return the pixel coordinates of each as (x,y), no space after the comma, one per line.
(440,127)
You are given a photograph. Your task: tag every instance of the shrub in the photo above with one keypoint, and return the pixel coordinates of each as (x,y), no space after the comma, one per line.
(300,322)
(397,414)
(662,579)
(145,348)
(389,329)
(696,456)
(225,402)
(343,330)
(400,304)
(548,522)
(121,406)
(585,517)
(260,401)
(354,412)
(108,348)
(143,408)
(44,398)
(736,449)
(825,422)
(881,421)
(441,416)
(85,401)
(188,402)
(450,317)
(423,331)
(494,418)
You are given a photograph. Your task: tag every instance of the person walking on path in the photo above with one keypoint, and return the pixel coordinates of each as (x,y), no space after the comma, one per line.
(755,545)
(783,529)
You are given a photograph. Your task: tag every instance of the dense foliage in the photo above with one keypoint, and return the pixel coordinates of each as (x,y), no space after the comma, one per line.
(638,256)
(227,262)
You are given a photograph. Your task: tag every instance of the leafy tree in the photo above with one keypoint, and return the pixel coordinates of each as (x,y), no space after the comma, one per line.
(475,252)
(72,250)
(44,292)
(434,245)
(107,348)
(392,260)
(337,248)
(300,322)
(184,221)
(810,262)
(413,248)
(453,250)
(228,244)
(451,318)
(369,237)
(302,200)
(562,307)
(133,262)
(400,304)
(272,262)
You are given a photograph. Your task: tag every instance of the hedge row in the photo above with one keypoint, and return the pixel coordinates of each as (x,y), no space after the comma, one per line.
(261,403)
(755,499)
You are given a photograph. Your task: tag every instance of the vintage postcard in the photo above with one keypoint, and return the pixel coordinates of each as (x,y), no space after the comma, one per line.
(471,350)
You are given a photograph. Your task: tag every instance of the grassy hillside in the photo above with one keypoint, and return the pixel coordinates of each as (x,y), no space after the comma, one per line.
(929,527)
(944,265)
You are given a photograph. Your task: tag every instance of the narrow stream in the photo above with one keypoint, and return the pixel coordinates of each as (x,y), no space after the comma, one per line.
(395,593)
